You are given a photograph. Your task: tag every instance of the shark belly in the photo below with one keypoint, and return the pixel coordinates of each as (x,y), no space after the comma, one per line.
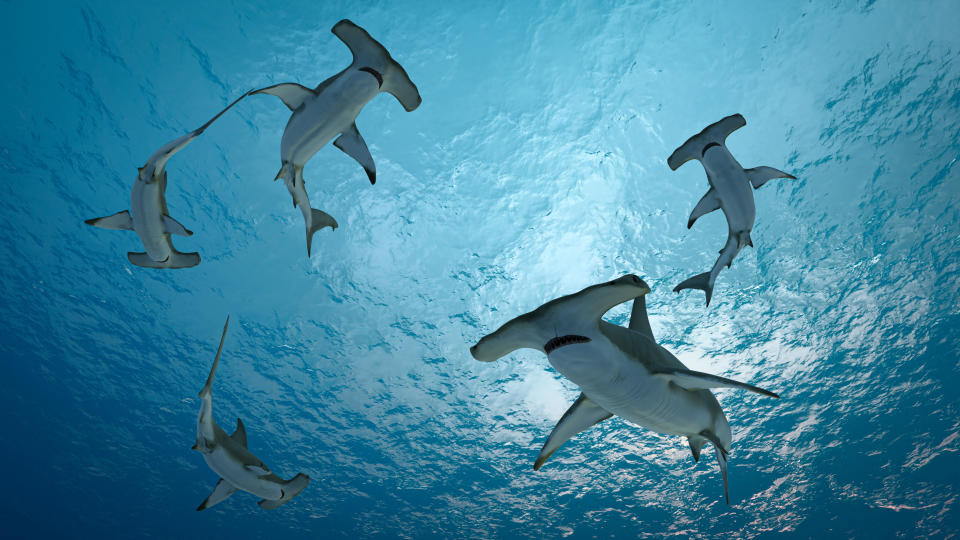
(146,212)
(326,116)
(625,387)
(223,462)
(733,188)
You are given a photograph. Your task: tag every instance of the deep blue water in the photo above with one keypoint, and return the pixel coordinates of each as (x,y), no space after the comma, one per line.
(536,166)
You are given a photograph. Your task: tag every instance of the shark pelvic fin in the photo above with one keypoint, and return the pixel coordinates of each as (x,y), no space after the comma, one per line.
(583,414)
(354,146)
(759,176)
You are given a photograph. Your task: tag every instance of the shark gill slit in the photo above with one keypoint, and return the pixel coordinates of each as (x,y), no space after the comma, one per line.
(562,341)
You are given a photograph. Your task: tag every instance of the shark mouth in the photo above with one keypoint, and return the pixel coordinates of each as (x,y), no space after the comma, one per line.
(563,341)
(375,73)
(707,147)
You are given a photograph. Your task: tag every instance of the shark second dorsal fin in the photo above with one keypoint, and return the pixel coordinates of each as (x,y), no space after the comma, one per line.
(240,435)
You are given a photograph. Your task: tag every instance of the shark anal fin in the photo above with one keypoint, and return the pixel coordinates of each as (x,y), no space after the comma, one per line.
(696,380)
(639,321)
(172,226)
(120,221)
(240,435)
(223,490)
(368,52)
(759,176)
(292,94)
(583,414)
(708,203)
(354,146)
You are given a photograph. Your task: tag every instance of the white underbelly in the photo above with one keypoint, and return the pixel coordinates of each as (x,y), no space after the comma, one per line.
(145,212)
(624,386)
(235,473)
(326,117)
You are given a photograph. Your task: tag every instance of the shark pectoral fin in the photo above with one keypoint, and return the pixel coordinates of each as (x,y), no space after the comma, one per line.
(291,489)
(367,52)
(583,414)
(292,94)
(172,226)
(223,490)
(759,176)
(714,133)
(120,221)
(259,470)
(240,435)
(696,380)
(708,203)
(354,146)
(639,322)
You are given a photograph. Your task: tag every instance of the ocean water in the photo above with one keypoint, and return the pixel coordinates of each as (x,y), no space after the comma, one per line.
(535,166)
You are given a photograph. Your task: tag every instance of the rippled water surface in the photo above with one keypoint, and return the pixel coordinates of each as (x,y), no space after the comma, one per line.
(536,166)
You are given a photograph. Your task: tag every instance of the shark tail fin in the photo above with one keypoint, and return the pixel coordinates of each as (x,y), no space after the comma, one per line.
(715,133)
(216,361)
(291,489)
(318,220)
(722,460)
(369,53)
(176,260)
(699,281)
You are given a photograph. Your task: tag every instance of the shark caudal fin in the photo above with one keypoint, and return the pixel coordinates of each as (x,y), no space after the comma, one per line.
(699,281)
(715,133)
(369,55)
(205,391)
(175,260)
(290,489)
(318,220)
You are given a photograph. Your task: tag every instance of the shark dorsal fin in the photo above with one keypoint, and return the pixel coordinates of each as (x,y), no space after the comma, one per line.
(240,435)
(639,322)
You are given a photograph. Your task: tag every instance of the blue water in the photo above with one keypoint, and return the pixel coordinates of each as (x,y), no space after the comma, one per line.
(536,166)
